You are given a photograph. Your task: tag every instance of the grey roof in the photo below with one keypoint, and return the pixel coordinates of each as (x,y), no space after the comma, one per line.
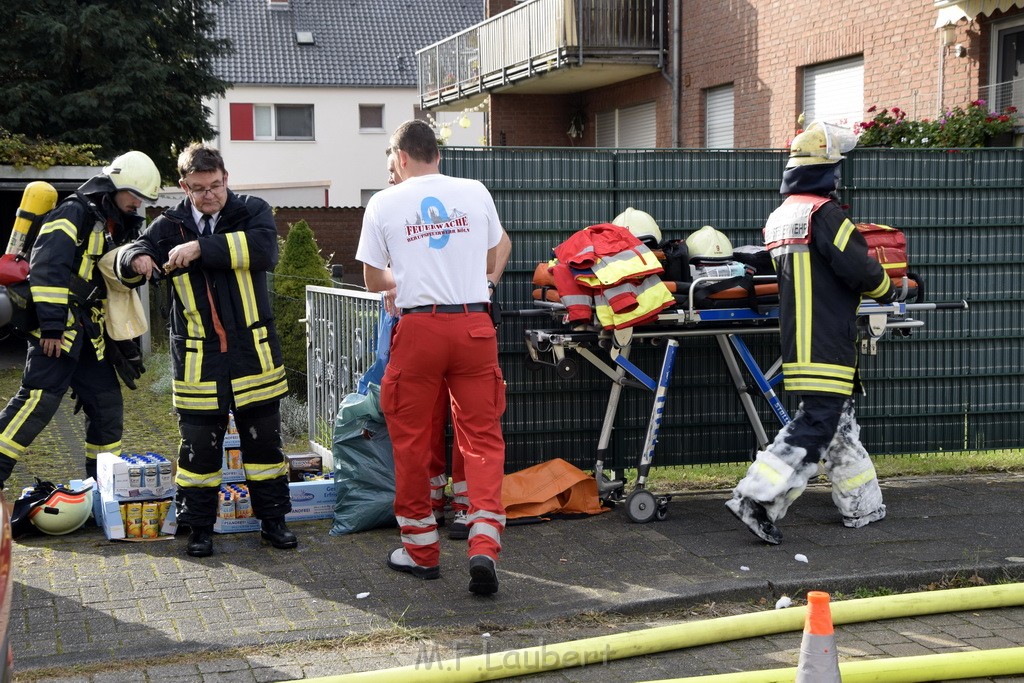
(358,43)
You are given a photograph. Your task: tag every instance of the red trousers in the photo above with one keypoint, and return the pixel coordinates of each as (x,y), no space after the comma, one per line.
(427,351)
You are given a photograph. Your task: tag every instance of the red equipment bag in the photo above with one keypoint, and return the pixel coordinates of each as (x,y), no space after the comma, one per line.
(888,246)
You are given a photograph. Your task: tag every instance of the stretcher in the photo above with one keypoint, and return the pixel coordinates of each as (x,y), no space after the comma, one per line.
(609,350)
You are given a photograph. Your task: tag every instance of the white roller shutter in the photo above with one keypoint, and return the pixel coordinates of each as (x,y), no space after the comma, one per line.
(604,130)
(834,92)
(638,126)
(627,127)
(719,109)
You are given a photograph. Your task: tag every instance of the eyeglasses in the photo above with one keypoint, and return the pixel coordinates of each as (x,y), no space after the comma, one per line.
(203,191)
(390,150)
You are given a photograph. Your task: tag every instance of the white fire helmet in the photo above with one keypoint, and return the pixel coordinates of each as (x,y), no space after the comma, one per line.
(136,172)
(641,224)
(63,511)
(821,143)
(708,244)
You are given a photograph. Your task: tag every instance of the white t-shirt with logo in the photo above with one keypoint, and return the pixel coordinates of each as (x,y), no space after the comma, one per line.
(434,232)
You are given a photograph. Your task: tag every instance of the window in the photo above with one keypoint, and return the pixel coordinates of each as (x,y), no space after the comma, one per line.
(834,92)
(364,196)
(719,117)
(271,121)
(627,127)
(371,117)
(1007,70)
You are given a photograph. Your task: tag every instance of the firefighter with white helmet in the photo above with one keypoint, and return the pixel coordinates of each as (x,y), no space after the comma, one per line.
(824,270)
(68,347)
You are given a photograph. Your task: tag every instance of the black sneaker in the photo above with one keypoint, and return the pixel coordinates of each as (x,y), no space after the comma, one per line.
(400,561)
(483,579)
(755,517)
(459,530)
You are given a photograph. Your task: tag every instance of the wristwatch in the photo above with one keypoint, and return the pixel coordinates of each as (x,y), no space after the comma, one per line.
(491,286)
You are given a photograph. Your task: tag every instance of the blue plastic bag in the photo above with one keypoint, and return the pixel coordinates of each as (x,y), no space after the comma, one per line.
(375,373)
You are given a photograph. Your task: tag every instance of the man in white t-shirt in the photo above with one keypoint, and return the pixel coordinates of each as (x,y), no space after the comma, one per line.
(432,239)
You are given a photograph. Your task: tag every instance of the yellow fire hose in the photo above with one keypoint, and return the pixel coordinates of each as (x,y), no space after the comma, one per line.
(601,649)
(941,667)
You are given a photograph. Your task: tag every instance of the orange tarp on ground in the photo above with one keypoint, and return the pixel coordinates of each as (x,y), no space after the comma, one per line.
(553,487)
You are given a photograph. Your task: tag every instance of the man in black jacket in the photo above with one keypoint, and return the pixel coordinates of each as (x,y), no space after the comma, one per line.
(69,347)
(824,269)
(215,248)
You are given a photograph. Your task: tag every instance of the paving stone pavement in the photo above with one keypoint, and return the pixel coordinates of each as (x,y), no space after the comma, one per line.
(86,609)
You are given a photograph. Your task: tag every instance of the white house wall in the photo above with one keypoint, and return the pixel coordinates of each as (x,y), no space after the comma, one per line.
(341,162)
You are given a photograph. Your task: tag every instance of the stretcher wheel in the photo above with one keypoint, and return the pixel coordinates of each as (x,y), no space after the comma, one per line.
(661,514)
(641,507)
(566,368)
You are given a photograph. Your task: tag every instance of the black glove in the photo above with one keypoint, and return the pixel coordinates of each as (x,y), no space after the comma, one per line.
(78,401)
(126,359)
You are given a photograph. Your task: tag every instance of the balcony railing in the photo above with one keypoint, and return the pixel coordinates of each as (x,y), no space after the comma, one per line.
(999,96)
(537,37)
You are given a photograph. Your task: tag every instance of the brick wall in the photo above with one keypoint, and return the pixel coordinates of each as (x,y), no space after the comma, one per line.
(336,231)
(540,120)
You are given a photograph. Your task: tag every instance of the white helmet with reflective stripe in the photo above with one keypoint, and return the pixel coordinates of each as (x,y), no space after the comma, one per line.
(821,143)
(63,511)
(640,223)
(708,244)
(135,171)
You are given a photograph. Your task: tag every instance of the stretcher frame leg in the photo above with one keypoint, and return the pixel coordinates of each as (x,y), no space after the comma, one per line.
(764,384)
(641,505)
(610,489)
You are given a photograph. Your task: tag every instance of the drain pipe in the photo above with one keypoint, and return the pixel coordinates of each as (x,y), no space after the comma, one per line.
(677,68)
(941,667)
(602,649)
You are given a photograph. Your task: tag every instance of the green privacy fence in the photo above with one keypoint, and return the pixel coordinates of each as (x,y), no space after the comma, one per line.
(956,384)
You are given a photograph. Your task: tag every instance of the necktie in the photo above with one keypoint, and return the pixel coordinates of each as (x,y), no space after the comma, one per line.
(207,228)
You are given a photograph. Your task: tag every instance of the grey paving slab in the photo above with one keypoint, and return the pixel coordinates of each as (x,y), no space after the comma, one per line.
(81,600)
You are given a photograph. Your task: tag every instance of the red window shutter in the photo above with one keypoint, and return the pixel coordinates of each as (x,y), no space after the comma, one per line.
(241,121)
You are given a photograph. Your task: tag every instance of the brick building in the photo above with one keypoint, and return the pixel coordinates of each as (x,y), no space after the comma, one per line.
(735,74)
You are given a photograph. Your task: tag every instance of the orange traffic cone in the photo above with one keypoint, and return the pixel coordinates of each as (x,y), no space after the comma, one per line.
(819,660)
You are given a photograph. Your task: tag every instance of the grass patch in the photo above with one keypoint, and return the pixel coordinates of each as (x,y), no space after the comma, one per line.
(726,475)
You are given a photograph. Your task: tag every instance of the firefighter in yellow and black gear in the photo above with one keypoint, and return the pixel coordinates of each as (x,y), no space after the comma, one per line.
(215,249)
(824,270)
(67,348)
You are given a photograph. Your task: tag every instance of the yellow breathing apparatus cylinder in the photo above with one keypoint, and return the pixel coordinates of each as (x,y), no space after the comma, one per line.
(38,198)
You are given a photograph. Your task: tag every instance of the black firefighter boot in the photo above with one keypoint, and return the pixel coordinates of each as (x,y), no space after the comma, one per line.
(275,532)
(200,541)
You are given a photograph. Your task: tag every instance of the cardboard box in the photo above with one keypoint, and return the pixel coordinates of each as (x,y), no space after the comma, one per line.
(303,463)
(113,526)
(231,474)
(115,477)
(310,500)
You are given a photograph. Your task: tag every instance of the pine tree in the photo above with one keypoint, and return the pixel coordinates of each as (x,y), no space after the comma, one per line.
(122,75)
(300,265)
